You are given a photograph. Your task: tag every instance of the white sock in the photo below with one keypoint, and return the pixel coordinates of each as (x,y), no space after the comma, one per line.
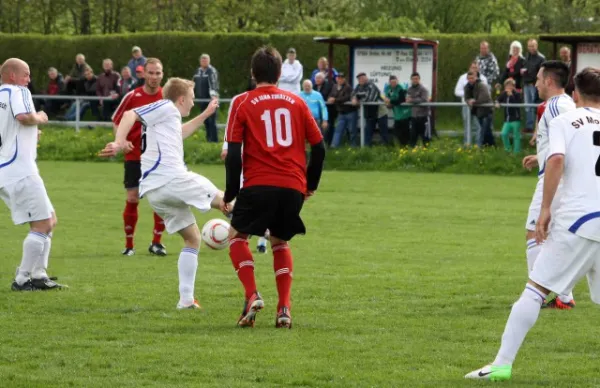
(39,269)
(533,250)
(187,266)
(33,247)
(566,298)
(522,317)
(262,242)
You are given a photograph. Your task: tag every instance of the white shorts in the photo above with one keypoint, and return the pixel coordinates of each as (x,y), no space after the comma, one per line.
(172,201)
(27,200)
(535,206)
(564,259)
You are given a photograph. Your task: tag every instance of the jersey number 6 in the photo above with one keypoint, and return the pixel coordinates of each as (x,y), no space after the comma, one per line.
(282,140)
(143,140)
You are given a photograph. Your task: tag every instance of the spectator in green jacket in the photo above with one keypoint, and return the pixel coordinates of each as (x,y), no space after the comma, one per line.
(395,95)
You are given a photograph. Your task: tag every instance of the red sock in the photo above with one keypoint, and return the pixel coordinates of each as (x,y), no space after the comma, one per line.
(159,227)
(130,217)
(243,262)
(283,266)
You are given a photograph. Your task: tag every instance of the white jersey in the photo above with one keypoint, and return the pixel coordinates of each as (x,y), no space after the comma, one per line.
(162,145)
(18,142)
(555,106)
(576,135)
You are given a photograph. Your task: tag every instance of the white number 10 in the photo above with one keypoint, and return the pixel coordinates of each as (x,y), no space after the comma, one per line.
(287,121)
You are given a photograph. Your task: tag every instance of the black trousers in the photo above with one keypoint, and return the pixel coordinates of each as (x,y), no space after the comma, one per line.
(417,130)
(402,131)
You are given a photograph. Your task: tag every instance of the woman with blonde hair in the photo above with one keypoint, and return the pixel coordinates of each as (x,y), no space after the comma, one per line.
(514,66)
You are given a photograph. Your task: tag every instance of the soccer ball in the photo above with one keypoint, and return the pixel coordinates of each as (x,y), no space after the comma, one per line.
(215,234)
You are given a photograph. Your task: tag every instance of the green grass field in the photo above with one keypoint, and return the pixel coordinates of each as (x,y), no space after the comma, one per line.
(403,280)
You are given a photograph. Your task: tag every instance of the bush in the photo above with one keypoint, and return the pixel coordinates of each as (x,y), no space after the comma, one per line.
(230,53)
(444,155)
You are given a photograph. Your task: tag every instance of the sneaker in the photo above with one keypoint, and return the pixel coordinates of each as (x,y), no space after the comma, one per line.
(251,307)
(193,306)
(284,318)
(556,303)
(46,284)
(157,249)
(128,252)
(27,286)
(492,373)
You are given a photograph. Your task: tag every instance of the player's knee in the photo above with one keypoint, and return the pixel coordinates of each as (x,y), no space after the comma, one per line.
(277,241)
(234,234)
(133,196)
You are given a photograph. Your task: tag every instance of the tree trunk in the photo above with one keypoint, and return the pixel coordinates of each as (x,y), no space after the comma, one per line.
(18,18)
(85,27)
(117,20)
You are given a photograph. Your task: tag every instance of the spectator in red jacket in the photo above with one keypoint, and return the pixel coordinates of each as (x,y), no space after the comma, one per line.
(55,87)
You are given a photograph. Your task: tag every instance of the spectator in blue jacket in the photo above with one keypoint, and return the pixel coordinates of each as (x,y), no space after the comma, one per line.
(137,59)
(323,67)
(315,103)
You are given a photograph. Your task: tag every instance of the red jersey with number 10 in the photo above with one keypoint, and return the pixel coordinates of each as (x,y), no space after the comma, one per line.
(134,99)
(273,125)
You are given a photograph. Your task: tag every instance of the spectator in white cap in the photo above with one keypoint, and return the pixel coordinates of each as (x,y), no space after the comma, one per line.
(137,59)
(291,73)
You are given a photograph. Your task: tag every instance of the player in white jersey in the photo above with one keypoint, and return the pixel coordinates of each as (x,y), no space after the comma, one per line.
(552,78)
(169,187)
(572,242)
(21,186)
(261,244)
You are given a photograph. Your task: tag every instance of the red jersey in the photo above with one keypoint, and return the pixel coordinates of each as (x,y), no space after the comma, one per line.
(540,110)
(273,125)
(134,99)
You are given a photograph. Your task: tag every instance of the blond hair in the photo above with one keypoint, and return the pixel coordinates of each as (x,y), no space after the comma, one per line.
(176,87)
(153,61)
(510,81)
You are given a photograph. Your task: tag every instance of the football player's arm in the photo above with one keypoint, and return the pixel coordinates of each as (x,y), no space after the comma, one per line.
(555,161)
(128,119)
(233,170)
(191,126)
(317,154)
(23,109)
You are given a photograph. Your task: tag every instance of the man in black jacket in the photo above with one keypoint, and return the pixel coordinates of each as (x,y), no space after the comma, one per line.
(340,94)
(533,62)
(207,86)
(476,94)
(323,86)
(367,91)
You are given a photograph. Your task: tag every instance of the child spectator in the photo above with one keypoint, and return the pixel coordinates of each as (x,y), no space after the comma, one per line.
(512,116)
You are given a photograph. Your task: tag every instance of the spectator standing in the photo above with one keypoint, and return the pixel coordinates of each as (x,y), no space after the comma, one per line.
(513,68)
(324,86)
(395,95)
(139,76)
(340,94)
(323,67)
(565,56)
(416,94)
(74,80)
(367,91)
(488,64)
(291,73)
(206,86)
(315,103)
(55,87)
(459,91)
(533,62)
(137,59)
(106,86)
(477,93)
(512,116)
(126,83)
(89,89)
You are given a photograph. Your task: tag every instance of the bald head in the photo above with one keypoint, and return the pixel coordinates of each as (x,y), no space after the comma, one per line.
(15,72)
(307,86)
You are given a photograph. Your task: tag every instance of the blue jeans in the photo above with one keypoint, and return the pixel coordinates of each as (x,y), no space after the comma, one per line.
(346,121)
(466,112)
(370,124)
(530,113)
(485,137)
(83,108)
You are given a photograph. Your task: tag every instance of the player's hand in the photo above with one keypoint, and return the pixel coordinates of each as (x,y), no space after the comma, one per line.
(309,194)
(127,147)
(530,161)
(212,107)
(533,139)
(110,150)
(542,225)
(225,208)
(42,117)
(223,154)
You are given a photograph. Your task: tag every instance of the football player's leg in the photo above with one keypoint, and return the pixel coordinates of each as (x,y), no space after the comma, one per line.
(130,218)
(40,269)
(156,247)
(187,266)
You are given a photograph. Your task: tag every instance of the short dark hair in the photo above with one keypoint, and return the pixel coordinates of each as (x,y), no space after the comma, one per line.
(471,73)
(557,70)
(415,74)
(266,65)
(587,83)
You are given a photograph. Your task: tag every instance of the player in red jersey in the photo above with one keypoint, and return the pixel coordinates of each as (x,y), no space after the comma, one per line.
(273,125)
(144,95)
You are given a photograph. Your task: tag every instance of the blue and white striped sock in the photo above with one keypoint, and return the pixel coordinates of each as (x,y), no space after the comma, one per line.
(187,267)
(33,248)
